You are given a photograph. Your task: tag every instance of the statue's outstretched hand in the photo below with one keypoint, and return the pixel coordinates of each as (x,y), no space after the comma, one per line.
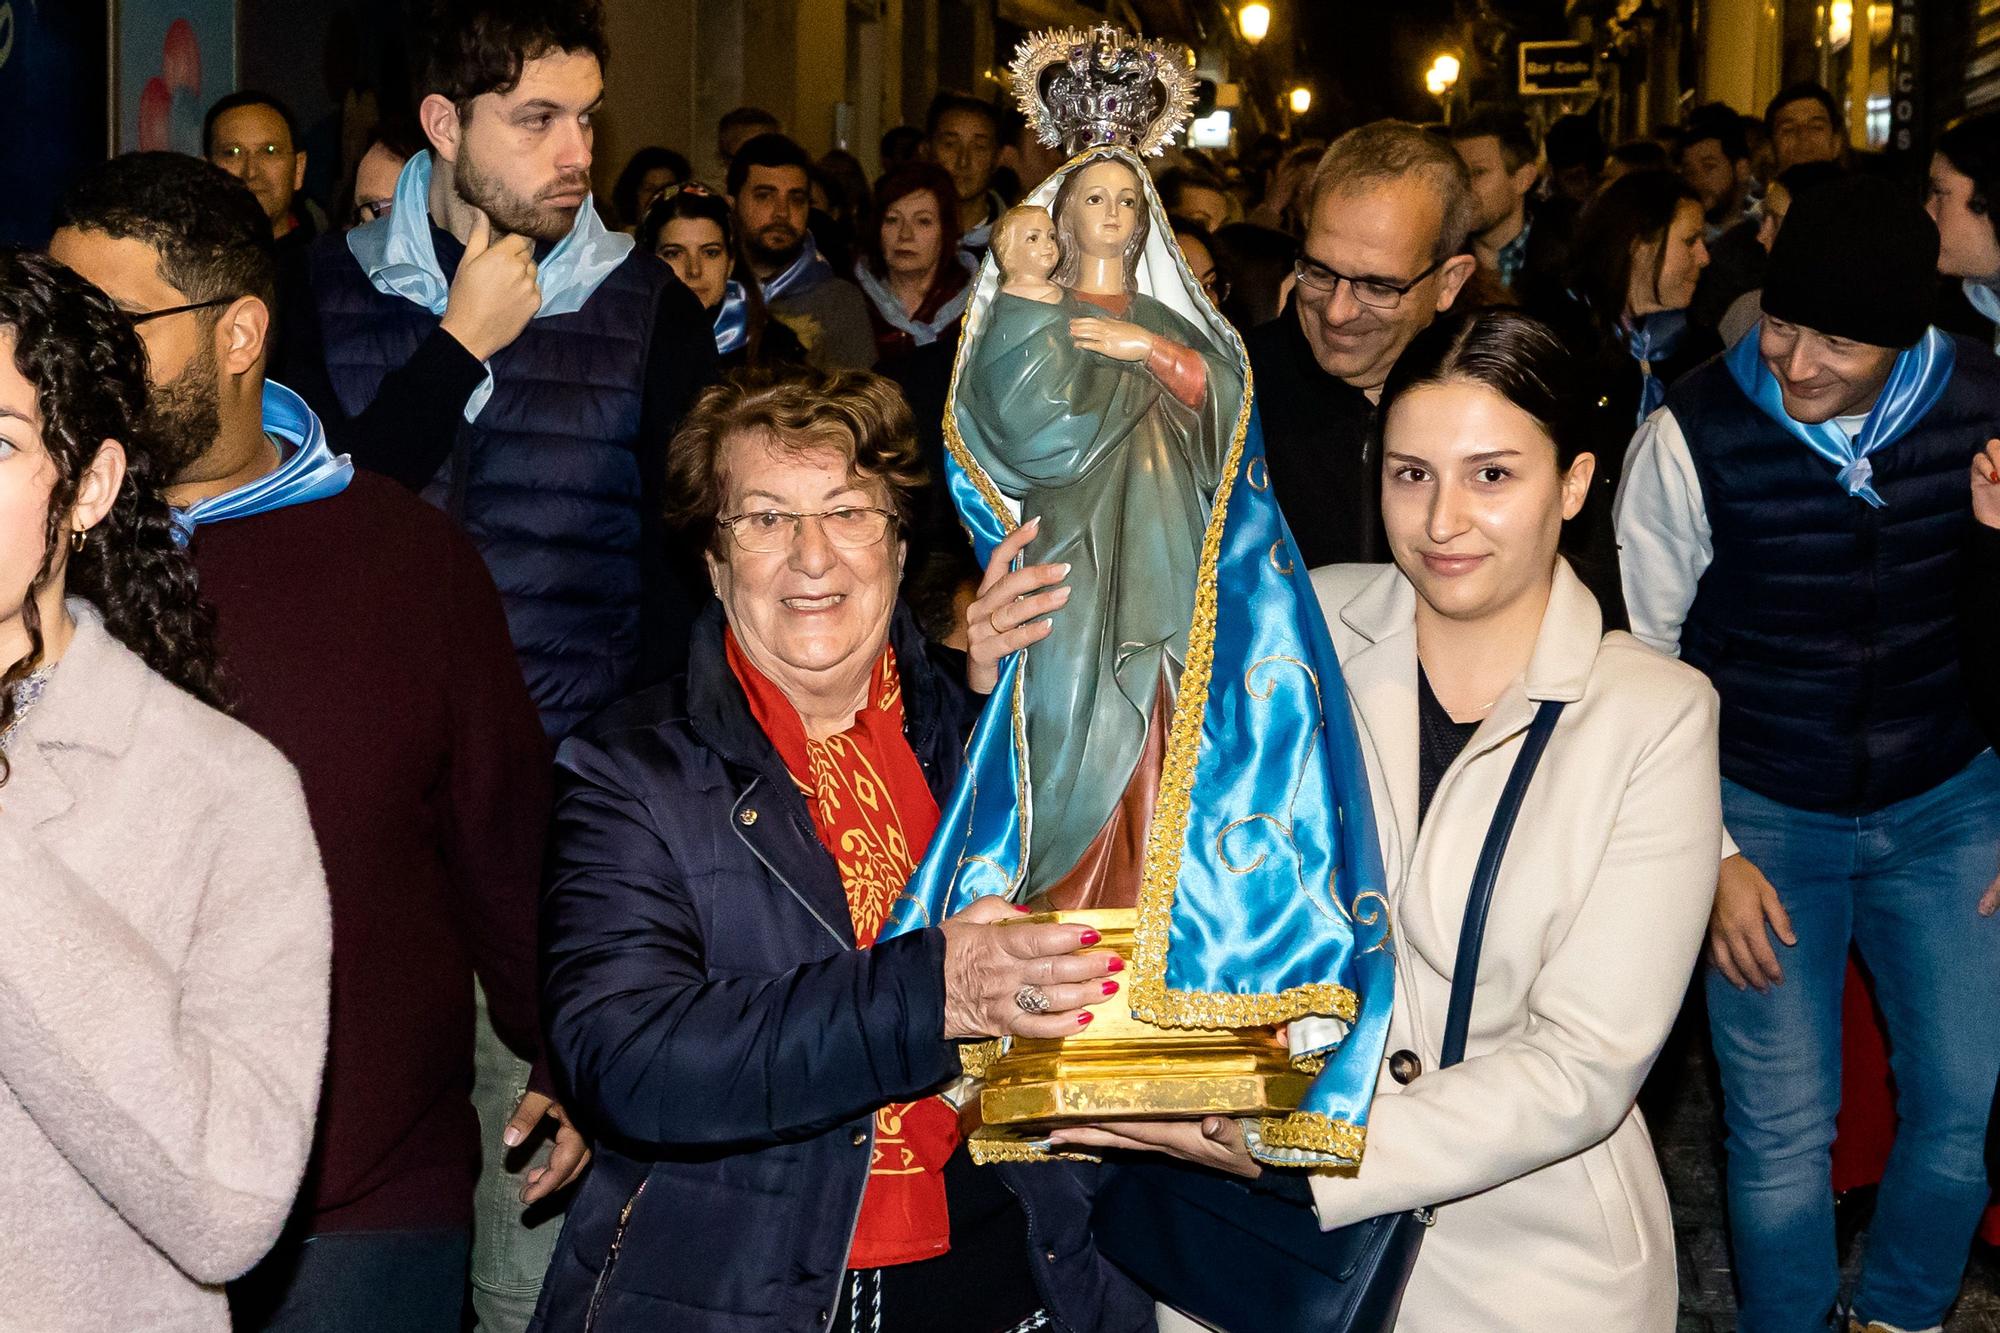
(1002,619)
(1115,338)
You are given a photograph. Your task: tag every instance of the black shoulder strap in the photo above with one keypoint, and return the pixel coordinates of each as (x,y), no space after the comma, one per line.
(1472,933)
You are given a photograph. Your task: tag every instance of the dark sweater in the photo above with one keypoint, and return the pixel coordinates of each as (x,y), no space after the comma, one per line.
(364,639)
(1319,438)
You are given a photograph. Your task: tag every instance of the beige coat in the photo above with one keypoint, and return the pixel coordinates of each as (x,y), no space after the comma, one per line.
(164,946)
(1554,1213)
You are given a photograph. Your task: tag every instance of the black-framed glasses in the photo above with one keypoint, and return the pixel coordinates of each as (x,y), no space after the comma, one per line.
(1377,292)
(151,315)
(851,527)
(370,209)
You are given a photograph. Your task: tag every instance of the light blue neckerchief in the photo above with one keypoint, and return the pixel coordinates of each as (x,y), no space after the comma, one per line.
(732,319)
(1987,302)
(1653,338)
(312,471)
(891,310)
(801,275)
(397,255)
(1916,382)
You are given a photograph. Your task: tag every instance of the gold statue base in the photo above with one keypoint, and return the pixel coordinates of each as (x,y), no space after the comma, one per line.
(1120,1068)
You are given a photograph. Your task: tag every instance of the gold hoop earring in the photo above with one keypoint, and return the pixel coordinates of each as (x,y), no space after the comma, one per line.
(77,539)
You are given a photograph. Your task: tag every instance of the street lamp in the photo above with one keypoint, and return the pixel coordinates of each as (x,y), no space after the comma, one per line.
(1254,22)
(1439,80)
(1301,100)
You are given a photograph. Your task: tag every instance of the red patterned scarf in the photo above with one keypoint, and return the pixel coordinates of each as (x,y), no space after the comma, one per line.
(875,814)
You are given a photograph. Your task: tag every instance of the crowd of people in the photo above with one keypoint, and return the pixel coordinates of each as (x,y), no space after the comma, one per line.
(455,636)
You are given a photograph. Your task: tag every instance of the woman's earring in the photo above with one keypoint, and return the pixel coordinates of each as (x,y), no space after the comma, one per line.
(77,539)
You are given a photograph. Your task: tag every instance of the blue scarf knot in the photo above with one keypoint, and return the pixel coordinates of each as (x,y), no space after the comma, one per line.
(732,319)
(397,255)
(312,471)
(1916,382)
(1652,338)
(801,275)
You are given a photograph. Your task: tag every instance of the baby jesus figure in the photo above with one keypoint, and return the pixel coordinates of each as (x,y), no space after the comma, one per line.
(1026,251)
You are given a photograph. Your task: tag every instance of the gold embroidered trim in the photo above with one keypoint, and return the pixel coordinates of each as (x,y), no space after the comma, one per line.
(1309,1131)
(985,1152)
(975,1056)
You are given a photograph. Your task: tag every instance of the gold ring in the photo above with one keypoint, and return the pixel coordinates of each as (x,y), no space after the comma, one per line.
(994,624)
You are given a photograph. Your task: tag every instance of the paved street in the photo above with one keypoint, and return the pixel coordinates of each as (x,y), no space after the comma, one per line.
(1688,1131)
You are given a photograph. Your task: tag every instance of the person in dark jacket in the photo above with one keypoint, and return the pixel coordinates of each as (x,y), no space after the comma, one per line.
(762,1076)
(1636,259)
(691,228)
(1794,523)
(1391,211)
(494,345)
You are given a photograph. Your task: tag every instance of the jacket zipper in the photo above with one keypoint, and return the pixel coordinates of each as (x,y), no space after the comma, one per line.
(840,1274)
(776,873)
(611,1257)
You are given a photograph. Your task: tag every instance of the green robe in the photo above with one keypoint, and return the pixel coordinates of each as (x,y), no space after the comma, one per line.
(1123,476)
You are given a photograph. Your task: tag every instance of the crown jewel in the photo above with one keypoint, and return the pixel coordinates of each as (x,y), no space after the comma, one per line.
(1102,88)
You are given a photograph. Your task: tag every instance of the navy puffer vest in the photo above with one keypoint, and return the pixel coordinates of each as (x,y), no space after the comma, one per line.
(1830,627)
(547,482)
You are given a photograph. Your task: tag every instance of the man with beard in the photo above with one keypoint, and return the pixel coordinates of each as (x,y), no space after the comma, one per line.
(526,367)
(362,636)
(491,343)
(1521,243)
(771,195)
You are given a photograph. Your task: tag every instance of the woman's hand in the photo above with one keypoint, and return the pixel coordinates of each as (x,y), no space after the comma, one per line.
(1002,618)
(987,965)
(1216,1141)
(1740,925)
(1115,338)
(1986,484)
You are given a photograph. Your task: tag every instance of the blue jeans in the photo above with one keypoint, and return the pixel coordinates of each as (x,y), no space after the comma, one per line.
(357,1282)
(1901,884)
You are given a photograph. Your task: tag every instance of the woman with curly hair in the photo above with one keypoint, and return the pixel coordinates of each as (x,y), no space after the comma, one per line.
(164,941)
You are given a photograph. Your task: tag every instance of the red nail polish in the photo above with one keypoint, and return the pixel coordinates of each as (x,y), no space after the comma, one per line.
(1115,965)
(1022,910)
(1993,476)
(1090,937)
(1083,1018)
(1110,988)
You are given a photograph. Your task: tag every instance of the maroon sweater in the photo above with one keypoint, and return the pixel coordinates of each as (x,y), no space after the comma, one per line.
(364,639)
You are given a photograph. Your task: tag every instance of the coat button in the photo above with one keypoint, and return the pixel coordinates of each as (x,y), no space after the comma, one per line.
(859,1137)
(746,817)
(1049,1255)
(1404,1066)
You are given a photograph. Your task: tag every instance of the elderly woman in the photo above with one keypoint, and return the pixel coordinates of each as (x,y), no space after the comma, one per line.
(762,1076)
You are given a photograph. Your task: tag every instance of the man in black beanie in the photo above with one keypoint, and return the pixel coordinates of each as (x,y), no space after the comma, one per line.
(1792,523)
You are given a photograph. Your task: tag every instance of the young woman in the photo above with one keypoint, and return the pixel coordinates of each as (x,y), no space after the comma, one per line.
(913,275)
(1634,263)
(1553,1214)
(690,228)
(164,935)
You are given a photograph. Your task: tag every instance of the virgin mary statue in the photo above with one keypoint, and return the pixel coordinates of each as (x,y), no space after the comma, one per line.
(1180,743)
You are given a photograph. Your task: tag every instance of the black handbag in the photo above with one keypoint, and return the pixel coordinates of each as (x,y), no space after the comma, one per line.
(1246,1258)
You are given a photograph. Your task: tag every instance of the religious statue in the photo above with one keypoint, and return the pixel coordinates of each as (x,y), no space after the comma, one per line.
(1176,759)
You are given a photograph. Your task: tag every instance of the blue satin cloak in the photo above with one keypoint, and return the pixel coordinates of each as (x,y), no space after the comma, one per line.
(1263,898)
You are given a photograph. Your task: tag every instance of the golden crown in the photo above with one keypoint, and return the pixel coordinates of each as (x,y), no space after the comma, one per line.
(1102,87)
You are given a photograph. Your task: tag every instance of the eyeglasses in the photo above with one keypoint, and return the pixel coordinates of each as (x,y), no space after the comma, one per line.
(370,209)
(151,315)
(764,531)
(1377,292)
(230,154)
